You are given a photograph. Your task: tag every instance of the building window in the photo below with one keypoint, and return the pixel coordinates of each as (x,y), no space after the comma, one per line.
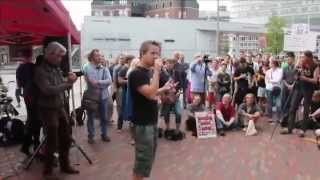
(163,5)
(106,13)
(170,3)
(116,13)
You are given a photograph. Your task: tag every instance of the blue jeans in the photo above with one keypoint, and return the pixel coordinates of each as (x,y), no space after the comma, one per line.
(273,101)
(102,114)
(221,126)
(166,110)
(122,108)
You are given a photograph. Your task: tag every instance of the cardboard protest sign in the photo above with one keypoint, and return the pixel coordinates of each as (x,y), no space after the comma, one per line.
(206,125)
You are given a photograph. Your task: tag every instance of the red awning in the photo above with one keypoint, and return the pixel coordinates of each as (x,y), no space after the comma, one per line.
(28,22)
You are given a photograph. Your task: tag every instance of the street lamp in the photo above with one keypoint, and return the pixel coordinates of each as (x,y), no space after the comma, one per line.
(218,28)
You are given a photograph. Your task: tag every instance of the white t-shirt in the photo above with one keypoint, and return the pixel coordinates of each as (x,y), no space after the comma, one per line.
(273,78)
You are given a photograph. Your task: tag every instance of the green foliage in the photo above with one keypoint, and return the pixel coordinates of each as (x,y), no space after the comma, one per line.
(226,48)
(275,34)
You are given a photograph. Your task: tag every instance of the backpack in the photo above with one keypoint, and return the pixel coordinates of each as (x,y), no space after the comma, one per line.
(173,135)
(11,131)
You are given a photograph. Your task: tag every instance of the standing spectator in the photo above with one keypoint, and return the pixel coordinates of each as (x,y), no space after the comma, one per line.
(123,81)
(307,79)
(116,86)
(198,70)
(25,81)
(273,89)
(243,77)
(144,90)
(260,76)
(229,64)
(251,63)
(52,88)
(225,115)
(183,68)
(170,100)
(98,80)
(248,114)
(212,82)
(223,82)
(289,74)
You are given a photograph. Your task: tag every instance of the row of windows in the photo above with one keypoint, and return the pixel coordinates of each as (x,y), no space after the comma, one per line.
(120,12)
(275,12)
(253,44)
(157,5)
(246,38)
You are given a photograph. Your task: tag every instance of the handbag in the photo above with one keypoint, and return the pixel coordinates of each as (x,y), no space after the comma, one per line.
(276,91)
(91,98)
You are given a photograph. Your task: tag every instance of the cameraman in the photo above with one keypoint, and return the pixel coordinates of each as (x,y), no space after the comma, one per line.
(307,79)
(198,70)
(51,102)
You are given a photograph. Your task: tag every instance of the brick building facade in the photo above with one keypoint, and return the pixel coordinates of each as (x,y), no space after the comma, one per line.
(176,9)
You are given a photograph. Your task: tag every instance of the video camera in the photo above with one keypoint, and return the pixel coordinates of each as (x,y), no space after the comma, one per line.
(206,58)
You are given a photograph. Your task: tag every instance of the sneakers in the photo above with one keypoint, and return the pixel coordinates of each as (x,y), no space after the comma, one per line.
(300,133)
(105,138)
(221,133)
(285,131)
(91,141)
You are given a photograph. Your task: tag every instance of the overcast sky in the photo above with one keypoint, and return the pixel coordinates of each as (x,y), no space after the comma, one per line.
(80,8)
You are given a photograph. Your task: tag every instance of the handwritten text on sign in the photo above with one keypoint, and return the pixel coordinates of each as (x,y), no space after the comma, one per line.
(206,125)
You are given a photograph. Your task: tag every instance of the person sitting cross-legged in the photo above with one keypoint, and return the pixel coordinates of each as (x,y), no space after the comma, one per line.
(225,115)
(195,106)
(248,113)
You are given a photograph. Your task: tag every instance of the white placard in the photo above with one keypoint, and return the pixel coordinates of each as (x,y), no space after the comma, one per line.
(298,29)
(300,42)
(206,125)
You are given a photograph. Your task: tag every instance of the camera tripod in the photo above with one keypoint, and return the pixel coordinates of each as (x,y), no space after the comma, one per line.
(40,146)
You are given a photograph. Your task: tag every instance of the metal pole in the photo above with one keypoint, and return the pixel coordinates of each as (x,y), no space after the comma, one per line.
(218,28)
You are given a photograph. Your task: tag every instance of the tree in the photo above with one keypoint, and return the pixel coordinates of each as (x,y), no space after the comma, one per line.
(226,48)
(275,34)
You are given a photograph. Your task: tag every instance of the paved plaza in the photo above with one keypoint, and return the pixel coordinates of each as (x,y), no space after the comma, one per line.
(233,157)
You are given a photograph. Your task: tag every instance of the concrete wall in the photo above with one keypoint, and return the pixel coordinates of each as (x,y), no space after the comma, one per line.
(114,35)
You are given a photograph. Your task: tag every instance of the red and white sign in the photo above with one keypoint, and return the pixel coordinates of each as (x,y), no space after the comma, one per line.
(206,125)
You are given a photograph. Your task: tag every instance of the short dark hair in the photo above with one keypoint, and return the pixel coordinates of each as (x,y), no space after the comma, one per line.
(290,54)
(145,46)
(308,54)
(90,56)
(129,58)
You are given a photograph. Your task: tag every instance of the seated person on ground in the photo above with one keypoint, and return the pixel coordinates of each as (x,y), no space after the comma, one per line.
(225,115)
(314,117)
(248,113)
(195,106)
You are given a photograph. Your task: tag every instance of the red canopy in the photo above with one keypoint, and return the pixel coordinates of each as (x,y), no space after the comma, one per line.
(28,22)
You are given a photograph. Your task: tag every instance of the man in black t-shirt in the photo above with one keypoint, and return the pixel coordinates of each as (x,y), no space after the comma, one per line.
(243,77)
(144,89)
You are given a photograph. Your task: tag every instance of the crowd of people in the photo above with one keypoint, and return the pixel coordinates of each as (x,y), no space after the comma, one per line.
(238,90)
